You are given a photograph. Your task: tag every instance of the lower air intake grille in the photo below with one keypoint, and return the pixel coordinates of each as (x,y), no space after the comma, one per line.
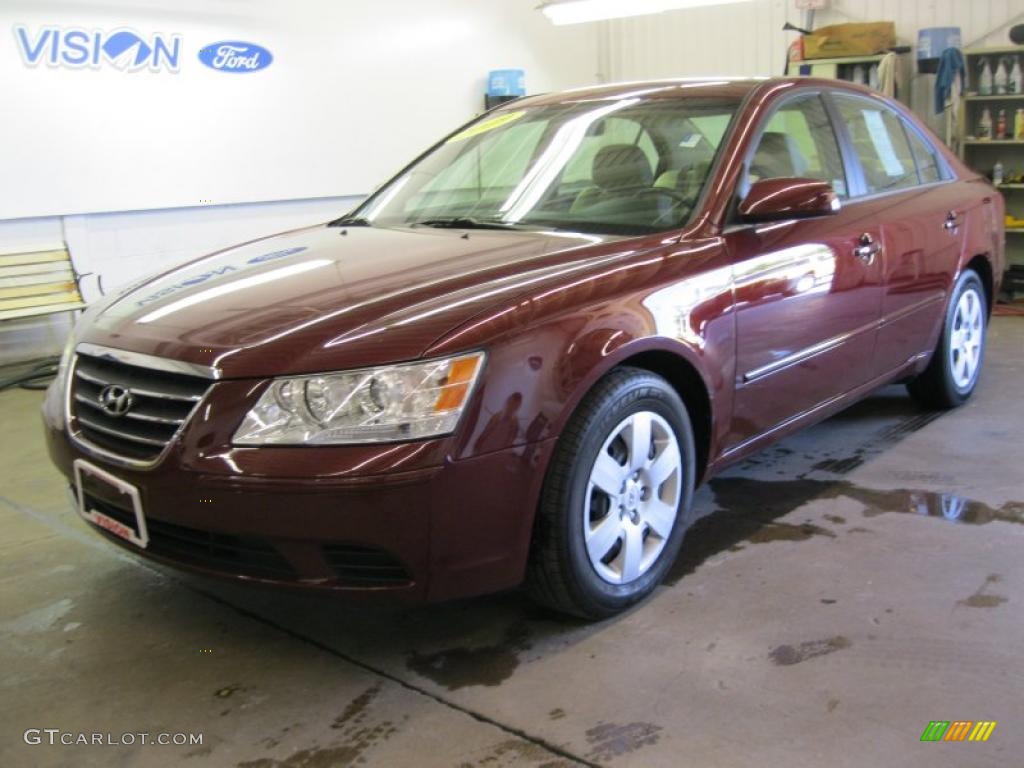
(243,555)
(364,566)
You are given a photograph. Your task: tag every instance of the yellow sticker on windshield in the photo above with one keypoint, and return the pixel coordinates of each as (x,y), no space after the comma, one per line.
(487,125)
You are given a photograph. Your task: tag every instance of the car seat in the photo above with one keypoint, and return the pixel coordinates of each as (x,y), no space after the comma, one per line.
(616,167)
(687,180)
(777,157)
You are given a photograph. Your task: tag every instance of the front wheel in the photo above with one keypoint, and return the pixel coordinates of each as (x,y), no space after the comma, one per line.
(615,499)
(951,376)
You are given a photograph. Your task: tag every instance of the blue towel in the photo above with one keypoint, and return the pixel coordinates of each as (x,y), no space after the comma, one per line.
(951,64)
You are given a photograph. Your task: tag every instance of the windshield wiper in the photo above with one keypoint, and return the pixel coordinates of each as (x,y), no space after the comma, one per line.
(463,222)
(350,221)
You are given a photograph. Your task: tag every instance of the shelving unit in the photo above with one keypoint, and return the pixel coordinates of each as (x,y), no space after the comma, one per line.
(843,68)
(983,154)
(1000,97)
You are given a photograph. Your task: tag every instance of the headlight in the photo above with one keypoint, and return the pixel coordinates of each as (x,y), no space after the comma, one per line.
(374,405)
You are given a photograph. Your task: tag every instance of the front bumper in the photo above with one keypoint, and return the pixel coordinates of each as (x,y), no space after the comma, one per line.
(353,520)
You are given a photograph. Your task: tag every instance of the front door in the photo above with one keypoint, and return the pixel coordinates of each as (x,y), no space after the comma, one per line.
(808,292)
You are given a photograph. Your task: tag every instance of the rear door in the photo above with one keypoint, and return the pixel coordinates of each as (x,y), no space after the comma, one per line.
(906,188)
(808,292)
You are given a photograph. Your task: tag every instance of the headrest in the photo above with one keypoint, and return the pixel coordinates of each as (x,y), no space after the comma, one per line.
(774,158)
(622,165)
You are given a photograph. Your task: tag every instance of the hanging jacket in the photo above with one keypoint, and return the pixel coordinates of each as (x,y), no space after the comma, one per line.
(951,65)
(888,75)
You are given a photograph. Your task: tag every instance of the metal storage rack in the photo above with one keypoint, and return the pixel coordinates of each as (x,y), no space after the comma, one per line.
(983,154)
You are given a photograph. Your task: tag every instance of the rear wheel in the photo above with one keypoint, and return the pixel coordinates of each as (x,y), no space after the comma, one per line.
(951,376)
(615,499)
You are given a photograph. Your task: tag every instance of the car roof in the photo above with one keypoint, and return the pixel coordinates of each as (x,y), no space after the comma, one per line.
(676,88)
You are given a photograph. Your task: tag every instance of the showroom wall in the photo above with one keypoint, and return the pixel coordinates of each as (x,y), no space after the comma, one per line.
(119,140)
(748,40)
(751,41)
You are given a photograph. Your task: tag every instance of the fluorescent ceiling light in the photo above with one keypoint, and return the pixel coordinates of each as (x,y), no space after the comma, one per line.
(579,11)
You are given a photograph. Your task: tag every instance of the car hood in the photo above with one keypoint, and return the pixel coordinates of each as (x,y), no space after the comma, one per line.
(326,297)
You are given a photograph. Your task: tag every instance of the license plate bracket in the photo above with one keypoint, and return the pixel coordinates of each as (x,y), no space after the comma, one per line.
(138,535)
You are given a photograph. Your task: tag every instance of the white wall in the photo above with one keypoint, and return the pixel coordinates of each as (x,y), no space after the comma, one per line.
(747,39)
(353,89)
(356,90)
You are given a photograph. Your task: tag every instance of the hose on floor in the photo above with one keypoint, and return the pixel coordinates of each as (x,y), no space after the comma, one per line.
(35,374)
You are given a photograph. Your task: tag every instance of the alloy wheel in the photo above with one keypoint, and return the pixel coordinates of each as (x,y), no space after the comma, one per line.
(966,338)
(632,498)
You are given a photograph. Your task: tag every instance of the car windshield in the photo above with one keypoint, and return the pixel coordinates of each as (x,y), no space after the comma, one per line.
(624,166)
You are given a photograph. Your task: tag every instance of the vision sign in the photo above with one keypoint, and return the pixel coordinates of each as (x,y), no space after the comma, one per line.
(77,48)
(130,51)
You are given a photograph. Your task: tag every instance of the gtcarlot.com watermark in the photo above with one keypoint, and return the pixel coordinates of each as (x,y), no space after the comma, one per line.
(56,737)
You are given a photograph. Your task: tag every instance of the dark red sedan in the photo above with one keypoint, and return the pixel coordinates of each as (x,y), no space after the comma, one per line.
(517,358)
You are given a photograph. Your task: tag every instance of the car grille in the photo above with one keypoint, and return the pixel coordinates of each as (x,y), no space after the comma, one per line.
(161,403)
(364,566)
(243,555)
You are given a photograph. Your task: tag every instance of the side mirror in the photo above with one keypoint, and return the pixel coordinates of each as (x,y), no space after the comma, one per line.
(789,198)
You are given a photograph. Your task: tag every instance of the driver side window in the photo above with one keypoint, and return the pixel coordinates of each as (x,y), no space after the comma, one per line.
(799,141)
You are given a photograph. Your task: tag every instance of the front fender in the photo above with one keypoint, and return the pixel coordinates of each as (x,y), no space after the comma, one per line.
(596,355)
(538,372)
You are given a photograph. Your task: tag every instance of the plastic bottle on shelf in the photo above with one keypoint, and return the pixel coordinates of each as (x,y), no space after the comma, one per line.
(985,80)
(1001,78)
(1015,85)
(985,125)
(997,174)
(858,75)
(873,77)
(1018,125)
(1001,125)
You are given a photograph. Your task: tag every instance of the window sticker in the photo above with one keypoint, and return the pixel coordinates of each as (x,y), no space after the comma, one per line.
(883,143)
(487,125)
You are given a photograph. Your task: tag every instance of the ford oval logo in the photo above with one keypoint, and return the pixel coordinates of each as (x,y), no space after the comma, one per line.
(235,56)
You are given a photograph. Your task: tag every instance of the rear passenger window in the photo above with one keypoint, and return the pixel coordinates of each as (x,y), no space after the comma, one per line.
(927,161)
(798,141)
(881,144)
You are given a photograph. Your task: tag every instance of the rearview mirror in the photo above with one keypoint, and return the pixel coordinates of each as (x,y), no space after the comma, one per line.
(789,198)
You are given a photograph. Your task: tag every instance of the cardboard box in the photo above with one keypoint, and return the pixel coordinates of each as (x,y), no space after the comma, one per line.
(840,40)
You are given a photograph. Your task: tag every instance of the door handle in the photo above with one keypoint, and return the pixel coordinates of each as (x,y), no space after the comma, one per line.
(868,248)
(952,222)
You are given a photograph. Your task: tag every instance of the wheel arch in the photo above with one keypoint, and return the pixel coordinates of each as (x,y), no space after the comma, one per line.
(677,364)
(692,390)
(981,265)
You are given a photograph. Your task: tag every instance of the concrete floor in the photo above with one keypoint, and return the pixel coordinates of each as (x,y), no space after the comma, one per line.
(823,615)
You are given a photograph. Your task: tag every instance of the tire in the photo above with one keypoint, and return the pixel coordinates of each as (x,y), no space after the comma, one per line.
(952,374)
(577,519)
